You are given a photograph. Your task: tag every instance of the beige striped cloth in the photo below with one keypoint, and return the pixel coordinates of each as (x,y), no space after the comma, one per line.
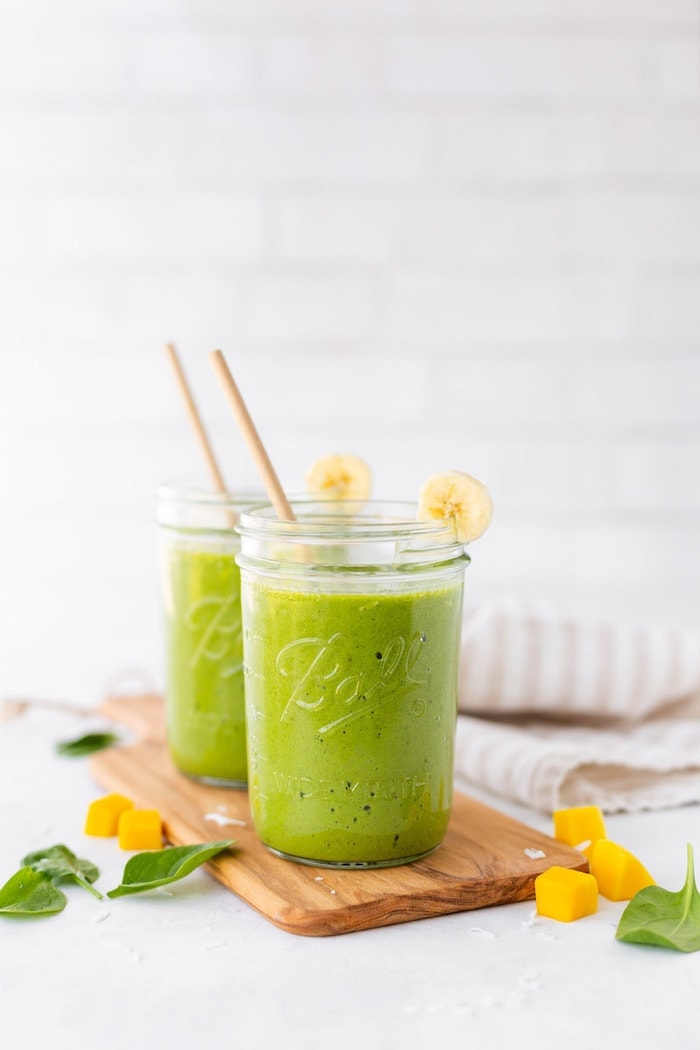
(558,712)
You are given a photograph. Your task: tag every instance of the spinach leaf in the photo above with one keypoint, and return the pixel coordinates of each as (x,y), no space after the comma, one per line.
(147,871)
(30,892)
(657,916)
(58,862)
(87,744)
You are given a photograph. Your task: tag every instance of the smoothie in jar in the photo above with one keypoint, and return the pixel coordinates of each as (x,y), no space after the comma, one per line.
(200,585)
(351,642)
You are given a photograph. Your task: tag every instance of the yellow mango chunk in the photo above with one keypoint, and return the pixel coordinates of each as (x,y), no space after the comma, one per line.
(565,894)
(618,872)
(578,824)
(103,815)
(140,829)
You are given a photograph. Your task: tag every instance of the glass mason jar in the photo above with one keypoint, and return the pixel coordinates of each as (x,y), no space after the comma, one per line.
(200,589)
(352,624)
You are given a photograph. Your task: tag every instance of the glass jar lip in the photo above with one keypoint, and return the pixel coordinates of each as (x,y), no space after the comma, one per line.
(329,519)
(195,493)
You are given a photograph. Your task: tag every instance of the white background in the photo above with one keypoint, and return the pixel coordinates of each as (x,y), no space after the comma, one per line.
(436,233)
(458,233)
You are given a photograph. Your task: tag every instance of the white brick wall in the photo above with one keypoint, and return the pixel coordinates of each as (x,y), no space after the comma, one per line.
(435,232)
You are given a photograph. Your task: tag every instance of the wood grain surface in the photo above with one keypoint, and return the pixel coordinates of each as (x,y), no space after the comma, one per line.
(486,858)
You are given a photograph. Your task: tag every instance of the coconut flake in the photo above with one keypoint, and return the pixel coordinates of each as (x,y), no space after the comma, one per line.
(222,821)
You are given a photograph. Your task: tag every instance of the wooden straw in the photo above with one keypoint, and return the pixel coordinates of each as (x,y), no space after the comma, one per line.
(251,437)
(195,419)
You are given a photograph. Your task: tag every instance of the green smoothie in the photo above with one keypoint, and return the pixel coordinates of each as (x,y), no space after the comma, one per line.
(205,709)
(351,704)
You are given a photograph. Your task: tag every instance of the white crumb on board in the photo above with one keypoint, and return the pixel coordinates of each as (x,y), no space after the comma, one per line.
(535,854)
(222,821)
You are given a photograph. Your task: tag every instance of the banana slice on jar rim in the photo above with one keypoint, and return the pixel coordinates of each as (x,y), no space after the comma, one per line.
(341,475)
(453,495)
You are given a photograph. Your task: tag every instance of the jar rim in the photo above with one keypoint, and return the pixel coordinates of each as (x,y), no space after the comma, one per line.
(194,492)
(379,532)
(373,519)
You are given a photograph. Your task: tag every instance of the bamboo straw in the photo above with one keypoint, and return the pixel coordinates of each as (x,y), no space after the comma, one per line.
(251,437)
(195,419)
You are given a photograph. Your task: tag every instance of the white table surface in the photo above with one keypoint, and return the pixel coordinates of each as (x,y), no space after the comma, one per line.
(193,963)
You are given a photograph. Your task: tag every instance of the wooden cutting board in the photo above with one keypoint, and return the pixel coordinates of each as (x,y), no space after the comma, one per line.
(486,858)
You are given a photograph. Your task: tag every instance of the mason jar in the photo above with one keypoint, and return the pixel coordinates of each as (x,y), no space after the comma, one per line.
(351,638)
(200,592)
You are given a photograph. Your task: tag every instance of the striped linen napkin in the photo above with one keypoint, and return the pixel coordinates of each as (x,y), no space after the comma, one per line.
(556,712)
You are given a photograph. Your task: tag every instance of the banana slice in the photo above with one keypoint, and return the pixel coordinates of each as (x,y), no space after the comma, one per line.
(455,496)
(339,476)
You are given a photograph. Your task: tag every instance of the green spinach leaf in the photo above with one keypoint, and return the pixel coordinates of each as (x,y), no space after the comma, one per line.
(658,916)
(58,862)
(30,892)
(87,744)
(147,871)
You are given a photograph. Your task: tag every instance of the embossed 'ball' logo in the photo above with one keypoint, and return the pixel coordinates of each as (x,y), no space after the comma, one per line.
(326,679)
(217,622)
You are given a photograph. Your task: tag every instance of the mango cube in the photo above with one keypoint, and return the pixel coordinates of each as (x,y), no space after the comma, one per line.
(565,894)
(578,824)
(618,872)
(103,815)
(140,829)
